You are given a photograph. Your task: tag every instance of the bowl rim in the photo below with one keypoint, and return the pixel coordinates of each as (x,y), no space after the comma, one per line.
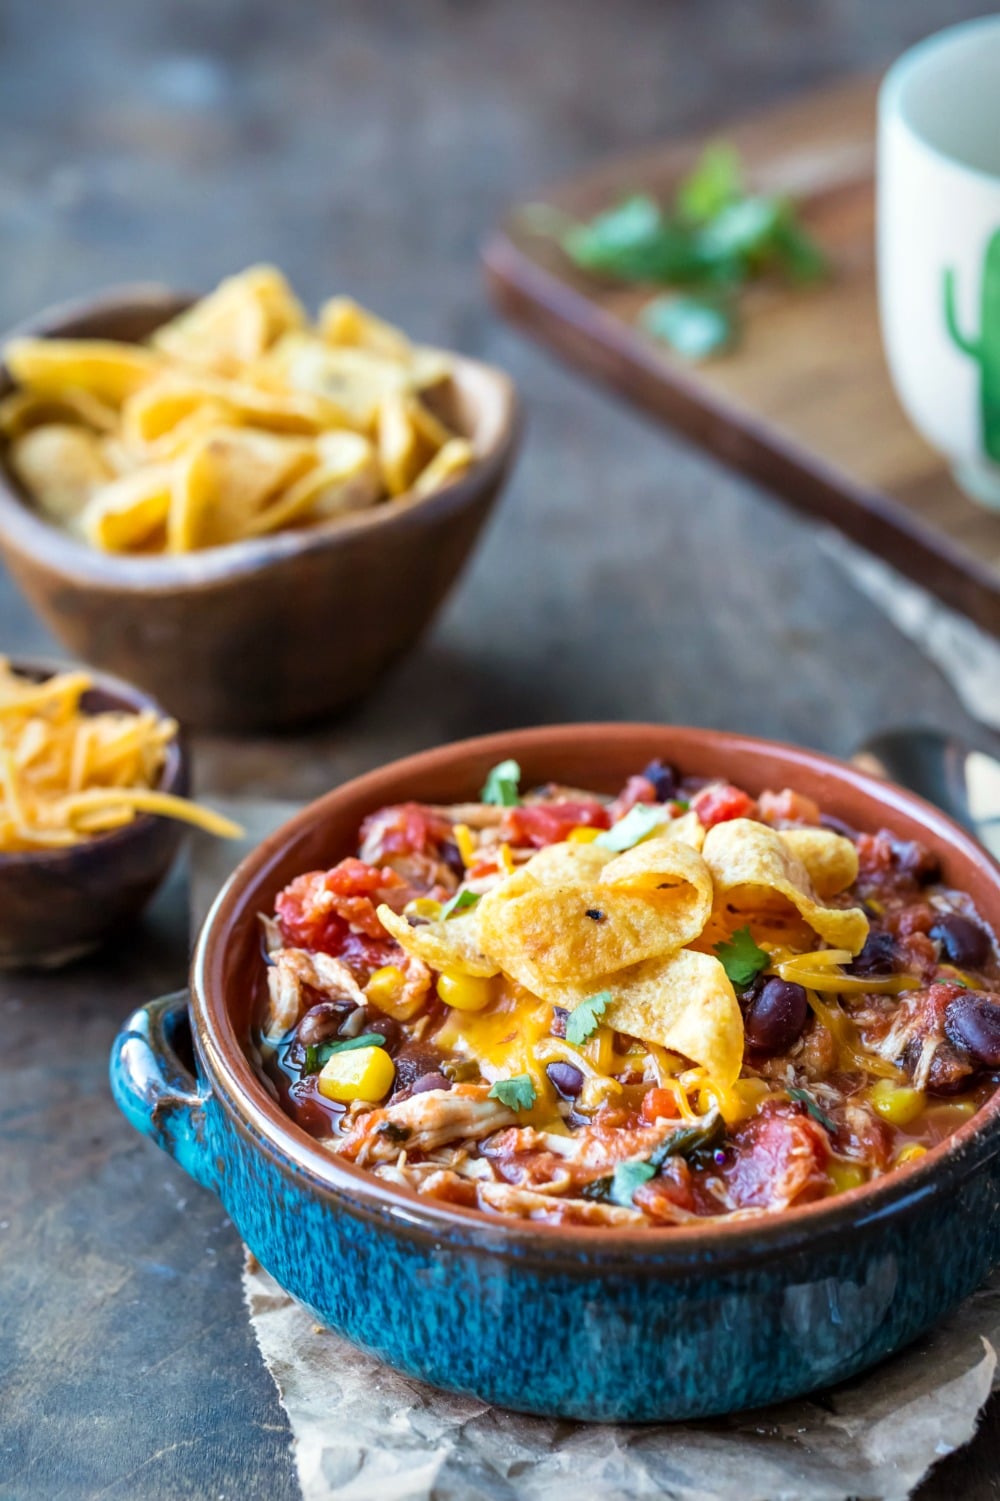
(668,1249)
(489,389)
(171,776)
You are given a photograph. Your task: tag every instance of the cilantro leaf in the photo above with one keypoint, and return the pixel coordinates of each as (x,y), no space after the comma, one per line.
(803,1097)
(639,823)
(635,241)
(714,182)
(460,902)
(584,1019)
(619,1186)
(500,787)
(685,1141)
(517,1093)
(741,958)
(797,253)
(694,327)
(627,1177)
(320,1053)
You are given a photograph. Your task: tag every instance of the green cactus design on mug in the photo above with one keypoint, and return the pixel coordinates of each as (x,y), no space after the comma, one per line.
(985,349)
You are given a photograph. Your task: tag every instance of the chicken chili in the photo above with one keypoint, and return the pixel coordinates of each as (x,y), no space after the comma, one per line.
(680,1003)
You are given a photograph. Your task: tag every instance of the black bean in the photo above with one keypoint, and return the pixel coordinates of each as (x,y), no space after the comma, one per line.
(664,780)
(416,1061)
(386,1026)
(565,1079)
(877,957)
(974,1022)
(321,1023)
(451,856)
(776,1016)
(429,1081)
(963,942)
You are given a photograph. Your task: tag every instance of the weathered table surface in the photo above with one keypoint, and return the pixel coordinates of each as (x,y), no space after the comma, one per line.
(370,148)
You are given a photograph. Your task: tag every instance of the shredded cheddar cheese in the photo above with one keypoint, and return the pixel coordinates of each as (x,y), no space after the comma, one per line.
(66,775)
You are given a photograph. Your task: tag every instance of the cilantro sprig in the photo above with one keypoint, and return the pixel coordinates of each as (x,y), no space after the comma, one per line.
(618,1187)
(460,902)
(741,958)
(319,1053)
(502,784)
(803,1097)
(712,240)
(584,1020)
(517,1093)
(626,1178)
(640,822)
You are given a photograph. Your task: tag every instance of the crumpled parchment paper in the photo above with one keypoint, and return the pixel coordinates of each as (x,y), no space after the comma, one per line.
(364,1433)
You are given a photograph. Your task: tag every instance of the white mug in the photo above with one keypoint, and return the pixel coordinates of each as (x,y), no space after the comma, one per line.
(939,245)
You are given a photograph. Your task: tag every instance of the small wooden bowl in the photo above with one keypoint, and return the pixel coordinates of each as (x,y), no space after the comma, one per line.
(56,905)
(277,630)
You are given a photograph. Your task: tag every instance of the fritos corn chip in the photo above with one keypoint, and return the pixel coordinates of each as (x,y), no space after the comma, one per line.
(91,415)
(754,868)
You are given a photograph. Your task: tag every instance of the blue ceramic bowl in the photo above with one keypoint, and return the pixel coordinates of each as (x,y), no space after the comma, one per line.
(601,1325)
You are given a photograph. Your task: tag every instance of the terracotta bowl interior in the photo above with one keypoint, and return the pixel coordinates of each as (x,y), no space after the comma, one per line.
(227,969)
(479,403)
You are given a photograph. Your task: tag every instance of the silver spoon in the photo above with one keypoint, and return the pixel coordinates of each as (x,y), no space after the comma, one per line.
(960,780)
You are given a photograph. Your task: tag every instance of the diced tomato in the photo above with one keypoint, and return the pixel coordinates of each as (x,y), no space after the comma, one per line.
(720,801)
(658,1105)
(636,790)
(779,1158)
(881,854)
(405,829)
(320,909)
(550,823)
(670,1190)
(788,807)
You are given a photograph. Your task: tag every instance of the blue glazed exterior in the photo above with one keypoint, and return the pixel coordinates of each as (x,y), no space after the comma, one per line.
(534,1329)
(593,1325)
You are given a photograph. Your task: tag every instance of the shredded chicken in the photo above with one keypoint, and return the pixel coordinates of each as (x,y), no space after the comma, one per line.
(473,815)
(591,1151)
(293,969)
(529,1204)
(424,1122)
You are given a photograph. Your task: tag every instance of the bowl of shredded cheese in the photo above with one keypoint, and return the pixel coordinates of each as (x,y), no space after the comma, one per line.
(93,779)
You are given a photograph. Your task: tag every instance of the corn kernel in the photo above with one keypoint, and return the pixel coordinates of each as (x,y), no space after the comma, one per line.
(896,1104)
(911,1152)
(845,1175)
(386,990)
(506,860)
(423,906)
(464,992)
(466,844)
(357,1074)
(582,834)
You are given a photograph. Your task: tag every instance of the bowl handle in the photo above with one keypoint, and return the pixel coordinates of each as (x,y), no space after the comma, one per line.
(154,1088)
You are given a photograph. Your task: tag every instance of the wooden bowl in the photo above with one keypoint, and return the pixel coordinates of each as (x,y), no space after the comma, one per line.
(273,631)
(56,905)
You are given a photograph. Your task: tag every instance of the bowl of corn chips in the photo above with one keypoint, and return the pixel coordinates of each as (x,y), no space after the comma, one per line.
(248,512)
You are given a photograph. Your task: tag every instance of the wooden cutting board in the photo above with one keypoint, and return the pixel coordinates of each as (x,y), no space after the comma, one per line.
(803,403)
